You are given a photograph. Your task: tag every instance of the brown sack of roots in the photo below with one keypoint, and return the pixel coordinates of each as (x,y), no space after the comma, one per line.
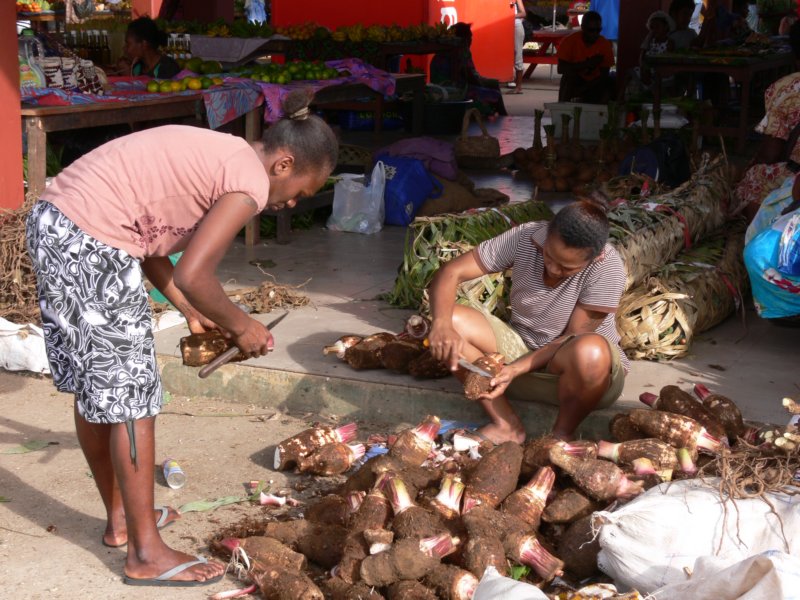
(425,366)
(475,384)
(367,353)
(483,552)
(279,584)
(452,583)
(569,505)
(200,349)
(579,547)
(398,354)
(495,477)
(410,590)
(622,428)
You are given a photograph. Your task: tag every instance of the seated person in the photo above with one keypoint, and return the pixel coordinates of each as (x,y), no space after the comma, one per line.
(584,61)
(142,42)
(561,345)
(458,69)
(657,41)
(683,36)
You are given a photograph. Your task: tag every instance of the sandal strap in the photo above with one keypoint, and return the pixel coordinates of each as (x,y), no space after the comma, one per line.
(166,575)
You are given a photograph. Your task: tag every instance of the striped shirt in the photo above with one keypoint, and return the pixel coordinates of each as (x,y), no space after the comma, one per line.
(540,313)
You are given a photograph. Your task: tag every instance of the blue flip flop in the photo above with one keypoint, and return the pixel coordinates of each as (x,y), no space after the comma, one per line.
(161,523)
(165,579)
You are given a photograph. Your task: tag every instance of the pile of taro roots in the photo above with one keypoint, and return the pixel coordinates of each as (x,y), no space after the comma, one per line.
(425,519)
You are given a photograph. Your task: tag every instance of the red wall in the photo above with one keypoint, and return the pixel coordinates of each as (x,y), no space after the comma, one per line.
(11,187)
(337,14)
(140,8)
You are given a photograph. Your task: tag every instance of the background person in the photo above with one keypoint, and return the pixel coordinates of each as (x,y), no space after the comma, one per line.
(115,215)
(142,42)
(519,42)
(561,344)
(584,61)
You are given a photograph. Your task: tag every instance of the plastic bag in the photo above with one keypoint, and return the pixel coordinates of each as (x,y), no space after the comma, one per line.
(408,185)
(494,586)
(653,540)
(356,207)
(789,248)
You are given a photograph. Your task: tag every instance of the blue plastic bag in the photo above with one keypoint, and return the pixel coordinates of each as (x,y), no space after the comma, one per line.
(789,249)
(408,185)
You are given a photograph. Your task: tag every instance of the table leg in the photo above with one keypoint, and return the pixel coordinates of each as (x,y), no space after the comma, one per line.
(252,233)
(378,113)
(656,94)
(744,113)
(253,125)
(37,155)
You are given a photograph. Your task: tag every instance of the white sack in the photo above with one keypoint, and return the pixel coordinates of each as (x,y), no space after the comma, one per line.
(22,348)
(494,586)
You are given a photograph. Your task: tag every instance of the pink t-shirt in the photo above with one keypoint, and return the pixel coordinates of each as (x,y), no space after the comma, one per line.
(147,192)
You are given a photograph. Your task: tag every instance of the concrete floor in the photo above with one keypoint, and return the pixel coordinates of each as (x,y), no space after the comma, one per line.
(344,275)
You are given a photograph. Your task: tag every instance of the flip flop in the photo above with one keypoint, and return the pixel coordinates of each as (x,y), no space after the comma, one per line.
(165,579)
(161,523)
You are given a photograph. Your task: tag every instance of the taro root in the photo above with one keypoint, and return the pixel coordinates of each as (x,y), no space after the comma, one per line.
(367,353)
(485,522)
(331,510)
(677,430)
(644,471)
(569,505)
(483,552)
(279,584)
(407,559)
(266,550)
(320,543)
(452,583)
(336,588)
(374,513)
(378,540)
(292,449)
(364,478)
(425,366)
(673,399)
(340,346)
(686,461)
(622,428)
(410,590)
(413,446)
(579,547)
(661,454)
(410,520)
(601,479)
(354,551)
(494,477)
(527,503)
(448,501)
(474,384)
(200,349)
(526,549)
(288,532)
(331,459)
(724,409)
(536,454)
(398,354)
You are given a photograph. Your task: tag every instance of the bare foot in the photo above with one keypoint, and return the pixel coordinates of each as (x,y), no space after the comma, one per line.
(498,434)
(116,534)
(164,559)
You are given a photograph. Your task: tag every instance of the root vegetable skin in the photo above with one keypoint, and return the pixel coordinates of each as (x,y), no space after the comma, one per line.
(527,503)
(569,505)
(366,353)
(410,590)
(673,399)
(410,520)
(413,446)
(337,589)
(483,552)
(536,454)
(398,354)
(660,453)
(527,550)
(292,449)
(332,509)
(601,479)
(475,384)
(495,477)
(279,584)
(622,428)
(355,550)
(676,430)
(331,459)
(340,346)
(452,583)
(448,501)
(267,551)
(724,409)
(364,478)
(407,559)
(374,512)
(580,547)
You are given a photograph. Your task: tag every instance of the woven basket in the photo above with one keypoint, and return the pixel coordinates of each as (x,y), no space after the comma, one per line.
(658,319)
(354,156)
(471,147)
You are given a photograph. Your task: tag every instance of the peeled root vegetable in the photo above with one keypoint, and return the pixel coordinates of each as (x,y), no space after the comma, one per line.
(622,428)
(331,459)
(569,505)
(661,454)
(483,552)
(526,549)
(340,346)
(452,583)
(601,479)
(268,551)
(410,590)
(527,503)
(367,353)
(398,354)
(673,399)
(579,547)
(475,384)
(495,477)
(410,520)
(677,430)
(292,449)
(279,584)
(407,559)
(724,409)
(413,446)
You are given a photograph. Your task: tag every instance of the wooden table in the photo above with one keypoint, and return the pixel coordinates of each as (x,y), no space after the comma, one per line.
(740,68)
(547,39)
(38,121)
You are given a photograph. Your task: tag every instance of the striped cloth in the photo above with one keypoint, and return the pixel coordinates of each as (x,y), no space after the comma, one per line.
(540,313)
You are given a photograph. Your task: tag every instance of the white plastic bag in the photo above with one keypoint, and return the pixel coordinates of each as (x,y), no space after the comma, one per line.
(356,207)
(656,539)
(22,348)
(494,586)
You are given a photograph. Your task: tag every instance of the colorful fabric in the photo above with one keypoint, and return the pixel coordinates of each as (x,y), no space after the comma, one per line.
(756,183)
(96,320)
(146,192)
(782,105)
(574,50)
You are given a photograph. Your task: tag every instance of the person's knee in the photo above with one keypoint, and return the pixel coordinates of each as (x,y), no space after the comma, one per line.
(588,358)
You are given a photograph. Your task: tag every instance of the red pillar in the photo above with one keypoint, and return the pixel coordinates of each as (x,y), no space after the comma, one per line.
(11,188)
(150,8)
(210,10)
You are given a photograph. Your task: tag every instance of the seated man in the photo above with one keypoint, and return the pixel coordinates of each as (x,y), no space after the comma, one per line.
(561,345)
(584,60)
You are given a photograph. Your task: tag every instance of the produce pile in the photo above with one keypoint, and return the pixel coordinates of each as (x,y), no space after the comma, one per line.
(430,511)
(18,297)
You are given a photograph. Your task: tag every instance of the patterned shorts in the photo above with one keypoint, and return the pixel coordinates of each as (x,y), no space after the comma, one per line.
(96,320)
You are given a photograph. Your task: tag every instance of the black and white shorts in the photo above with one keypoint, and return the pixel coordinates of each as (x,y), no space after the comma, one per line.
(96,320)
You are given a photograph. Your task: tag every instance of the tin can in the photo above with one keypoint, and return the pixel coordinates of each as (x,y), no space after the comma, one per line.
(173,473)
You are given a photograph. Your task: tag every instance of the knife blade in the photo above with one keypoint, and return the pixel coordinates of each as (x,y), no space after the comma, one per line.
(226,356)
(465,364)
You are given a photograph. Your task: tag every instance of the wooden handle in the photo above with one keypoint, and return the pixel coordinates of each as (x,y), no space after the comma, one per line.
(218,362)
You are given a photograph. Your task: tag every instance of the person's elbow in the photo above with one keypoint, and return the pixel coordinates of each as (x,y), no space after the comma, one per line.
(187,279)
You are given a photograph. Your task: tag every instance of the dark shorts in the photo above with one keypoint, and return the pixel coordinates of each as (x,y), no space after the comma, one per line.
(96,320)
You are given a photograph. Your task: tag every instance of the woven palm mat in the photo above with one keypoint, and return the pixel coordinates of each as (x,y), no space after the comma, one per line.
(650,232)
(431,241)
(658,319)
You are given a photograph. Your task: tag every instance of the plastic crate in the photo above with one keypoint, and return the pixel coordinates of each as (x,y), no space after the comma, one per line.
(593,117)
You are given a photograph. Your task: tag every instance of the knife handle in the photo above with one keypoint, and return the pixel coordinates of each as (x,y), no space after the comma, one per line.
(218,362)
